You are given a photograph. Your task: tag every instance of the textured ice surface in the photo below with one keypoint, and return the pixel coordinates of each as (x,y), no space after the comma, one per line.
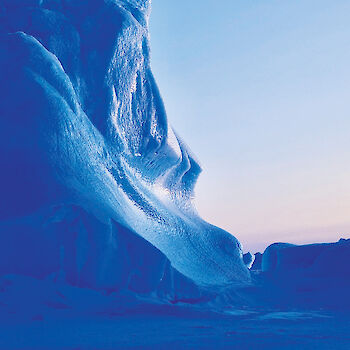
(89,162)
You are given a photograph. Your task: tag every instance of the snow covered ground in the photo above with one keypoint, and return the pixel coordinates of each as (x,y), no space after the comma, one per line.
(37,314)
(172,328)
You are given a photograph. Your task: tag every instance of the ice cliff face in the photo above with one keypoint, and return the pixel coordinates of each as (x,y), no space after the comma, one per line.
(87,153)
(311,276)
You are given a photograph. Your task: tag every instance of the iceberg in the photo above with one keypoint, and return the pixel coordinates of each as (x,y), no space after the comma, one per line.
(249,259)
(307,276)
(100,243)
(96,187)
(257,262)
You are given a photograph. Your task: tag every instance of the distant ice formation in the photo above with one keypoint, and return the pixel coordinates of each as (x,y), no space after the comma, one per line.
(308,276)
(96,188)
(257,262)
(248,259)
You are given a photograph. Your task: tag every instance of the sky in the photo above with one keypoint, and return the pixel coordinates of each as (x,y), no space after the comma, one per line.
(259,90)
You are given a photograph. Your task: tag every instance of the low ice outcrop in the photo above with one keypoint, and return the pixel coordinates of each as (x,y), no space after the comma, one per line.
(314,275)
(83,125)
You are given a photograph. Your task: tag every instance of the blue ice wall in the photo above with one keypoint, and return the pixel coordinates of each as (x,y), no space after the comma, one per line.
(96,188)
(313,275)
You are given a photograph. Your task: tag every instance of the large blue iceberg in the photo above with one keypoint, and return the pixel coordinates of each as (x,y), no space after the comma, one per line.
(96,188)
(100,244)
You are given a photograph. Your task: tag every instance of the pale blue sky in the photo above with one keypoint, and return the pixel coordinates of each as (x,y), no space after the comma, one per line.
(259,90)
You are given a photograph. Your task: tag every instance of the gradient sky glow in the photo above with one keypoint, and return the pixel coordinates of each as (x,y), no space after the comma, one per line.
(259,90)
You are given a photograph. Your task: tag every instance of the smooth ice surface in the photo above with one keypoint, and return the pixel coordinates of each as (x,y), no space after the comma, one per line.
(87,153)
(306,276)
(327,259)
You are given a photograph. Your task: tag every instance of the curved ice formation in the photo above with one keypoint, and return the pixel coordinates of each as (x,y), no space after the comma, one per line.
(83,126)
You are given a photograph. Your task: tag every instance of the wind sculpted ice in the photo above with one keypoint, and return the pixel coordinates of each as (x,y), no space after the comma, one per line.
(87,153)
